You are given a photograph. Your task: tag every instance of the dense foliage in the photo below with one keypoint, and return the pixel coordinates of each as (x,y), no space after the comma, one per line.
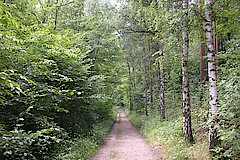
(57,77)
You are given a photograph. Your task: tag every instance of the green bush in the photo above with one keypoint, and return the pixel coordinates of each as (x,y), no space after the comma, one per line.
(19,144)
(229,132)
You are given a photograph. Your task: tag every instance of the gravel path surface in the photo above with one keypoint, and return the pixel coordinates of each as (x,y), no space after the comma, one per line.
(124,142)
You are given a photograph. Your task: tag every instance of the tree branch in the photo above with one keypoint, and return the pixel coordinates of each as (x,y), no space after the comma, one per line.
(36,17)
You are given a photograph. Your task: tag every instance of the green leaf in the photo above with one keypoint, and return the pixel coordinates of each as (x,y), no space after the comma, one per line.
(71,93)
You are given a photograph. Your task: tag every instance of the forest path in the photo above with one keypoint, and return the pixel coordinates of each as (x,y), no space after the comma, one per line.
(124,142)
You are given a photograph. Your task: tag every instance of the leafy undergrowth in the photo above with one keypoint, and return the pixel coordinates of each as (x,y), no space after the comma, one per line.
(167,136)
(84,148)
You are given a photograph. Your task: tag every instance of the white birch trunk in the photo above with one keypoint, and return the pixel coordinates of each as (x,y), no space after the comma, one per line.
(187,128)
(212,73)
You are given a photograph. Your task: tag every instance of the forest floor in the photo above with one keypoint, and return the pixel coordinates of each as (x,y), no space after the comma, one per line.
(124,142)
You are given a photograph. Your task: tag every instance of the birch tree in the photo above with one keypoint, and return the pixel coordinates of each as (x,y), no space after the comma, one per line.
(212,73)
(187,130)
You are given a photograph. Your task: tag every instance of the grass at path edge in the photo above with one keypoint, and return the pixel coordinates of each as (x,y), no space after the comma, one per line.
(83,148)
(167,136)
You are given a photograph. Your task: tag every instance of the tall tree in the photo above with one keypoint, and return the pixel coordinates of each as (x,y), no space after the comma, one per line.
(212,73)
(150,72)
(202,54)
(187,128)
(130,87)
(161,81)
(145,89)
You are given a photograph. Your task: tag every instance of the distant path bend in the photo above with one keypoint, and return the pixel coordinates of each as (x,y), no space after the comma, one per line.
(124,142)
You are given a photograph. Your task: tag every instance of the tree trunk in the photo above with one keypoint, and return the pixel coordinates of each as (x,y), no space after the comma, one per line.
(56,16)
(133,83)
(161,83)
(215,38)
(134,75)
(212,73)
(150,73)
(203,66)
(203,69)
(216,43)
(187,128)
(145,90)
(130,88)
(161,91)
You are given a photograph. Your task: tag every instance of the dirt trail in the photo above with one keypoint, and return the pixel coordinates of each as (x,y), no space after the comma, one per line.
(124,142)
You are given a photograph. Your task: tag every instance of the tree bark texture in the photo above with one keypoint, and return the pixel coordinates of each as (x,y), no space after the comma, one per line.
(212,73)
(187,128)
